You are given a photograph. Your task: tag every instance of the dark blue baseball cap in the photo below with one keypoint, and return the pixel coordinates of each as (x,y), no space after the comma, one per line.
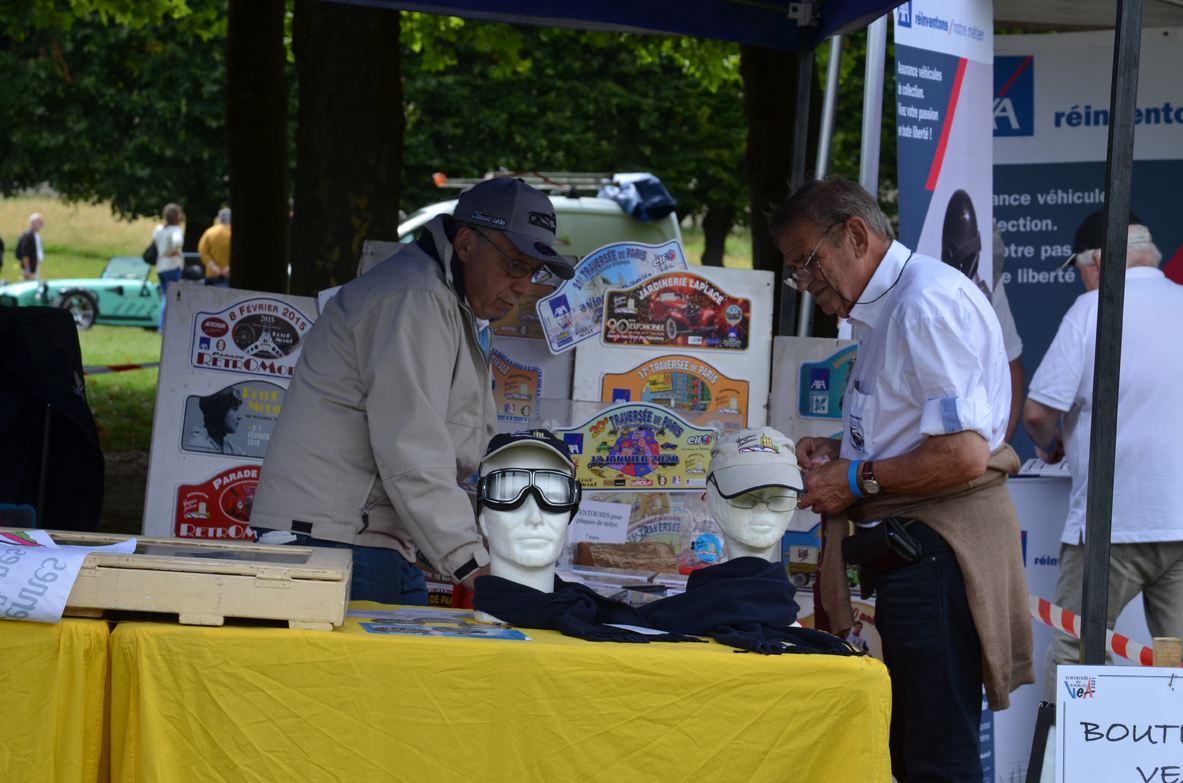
(525,215)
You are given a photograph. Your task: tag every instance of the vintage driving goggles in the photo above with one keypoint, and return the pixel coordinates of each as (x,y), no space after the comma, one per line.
(506,490)
(745,499)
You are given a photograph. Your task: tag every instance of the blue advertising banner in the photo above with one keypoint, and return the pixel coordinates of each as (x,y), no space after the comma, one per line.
(1050,125)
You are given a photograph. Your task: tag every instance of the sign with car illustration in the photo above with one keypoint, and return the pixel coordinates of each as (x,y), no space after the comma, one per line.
(680,382)
(573,313)
(121,296)
(516,388)
(677,309)
(639,447)
(220,506)
(258,336)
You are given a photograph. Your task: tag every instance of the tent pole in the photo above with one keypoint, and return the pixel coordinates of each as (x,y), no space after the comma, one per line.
(788,315)
(1119,172)
(825,140)
(868,175)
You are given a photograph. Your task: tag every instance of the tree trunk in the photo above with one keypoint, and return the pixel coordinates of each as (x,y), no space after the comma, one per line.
(198,218)
(769,97)
(349,138)
(716,225)
(257,141)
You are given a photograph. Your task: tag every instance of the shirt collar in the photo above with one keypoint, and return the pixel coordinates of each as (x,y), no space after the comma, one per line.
(867,315)
(1145,271)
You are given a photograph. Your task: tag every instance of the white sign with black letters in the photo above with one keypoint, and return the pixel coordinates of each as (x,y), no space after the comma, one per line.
(1117,724)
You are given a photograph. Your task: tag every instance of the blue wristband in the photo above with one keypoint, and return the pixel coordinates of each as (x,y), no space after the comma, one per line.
(852,478)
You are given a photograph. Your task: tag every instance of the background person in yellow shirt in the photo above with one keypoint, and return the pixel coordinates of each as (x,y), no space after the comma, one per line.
(214,247)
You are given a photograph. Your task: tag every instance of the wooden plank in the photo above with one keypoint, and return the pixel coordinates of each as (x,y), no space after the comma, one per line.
(636,556)
(1168,651)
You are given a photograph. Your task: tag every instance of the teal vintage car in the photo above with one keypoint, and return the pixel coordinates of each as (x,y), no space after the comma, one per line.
(122,296)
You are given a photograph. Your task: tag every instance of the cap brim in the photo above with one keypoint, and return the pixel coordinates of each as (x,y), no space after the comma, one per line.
(529,442)
(1071,261)
(735,480)
(559,266)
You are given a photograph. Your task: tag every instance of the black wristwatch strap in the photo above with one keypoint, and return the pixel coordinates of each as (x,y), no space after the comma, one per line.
(868,474)
(465,571)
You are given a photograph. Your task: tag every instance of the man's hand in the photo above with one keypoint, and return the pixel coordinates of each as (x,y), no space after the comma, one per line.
(827,490)
(1055,455)
(815,452)
(469,583)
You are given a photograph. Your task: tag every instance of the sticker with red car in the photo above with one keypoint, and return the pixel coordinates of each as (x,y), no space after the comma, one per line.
(676,309)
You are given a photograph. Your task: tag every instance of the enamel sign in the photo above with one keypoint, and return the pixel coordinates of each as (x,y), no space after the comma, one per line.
(639,447)
(219,507)
(679,382)
(573,312)
(522,320)
(677,309)
(823,385)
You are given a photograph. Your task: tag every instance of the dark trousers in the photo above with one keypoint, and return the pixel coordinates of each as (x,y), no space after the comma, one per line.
(380,575)
(931,647)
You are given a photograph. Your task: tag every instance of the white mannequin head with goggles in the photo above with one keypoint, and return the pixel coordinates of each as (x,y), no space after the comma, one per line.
(527,496)
(752,491)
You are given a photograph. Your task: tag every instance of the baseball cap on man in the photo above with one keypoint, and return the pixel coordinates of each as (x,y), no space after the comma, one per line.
(540,438)
(522,213)
(753,459)
(1090,233)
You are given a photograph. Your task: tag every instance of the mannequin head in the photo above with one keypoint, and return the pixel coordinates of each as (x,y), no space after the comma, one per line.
(525,515)
(752,491)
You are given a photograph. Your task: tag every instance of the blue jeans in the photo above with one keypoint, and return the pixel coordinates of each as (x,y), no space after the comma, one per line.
(931,647)
(380,575)
(166,278)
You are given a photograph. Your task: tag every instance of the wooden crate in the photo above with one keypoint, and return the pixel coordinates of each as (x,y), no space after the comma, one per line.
(205,582)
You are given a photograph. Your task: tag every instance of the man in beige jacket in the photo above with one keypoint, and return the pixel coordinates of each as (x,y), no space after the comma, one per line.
(391,403)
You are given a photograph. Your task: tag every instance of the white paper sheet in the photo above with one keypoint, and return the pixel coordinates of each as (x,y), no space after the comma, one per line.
(36,575)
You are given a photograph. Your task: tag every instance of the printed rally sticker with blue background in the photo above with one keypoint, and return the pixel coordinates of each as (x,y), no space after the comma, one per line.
(823,385)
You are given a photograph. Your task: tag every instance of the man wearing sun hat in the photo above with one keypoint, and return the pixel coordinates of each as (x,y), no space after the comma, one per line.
(1146,555)
(391,402)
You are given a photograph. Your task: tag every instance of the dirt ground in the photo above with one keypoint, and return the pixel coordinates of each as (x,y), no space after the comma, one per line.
(126,480)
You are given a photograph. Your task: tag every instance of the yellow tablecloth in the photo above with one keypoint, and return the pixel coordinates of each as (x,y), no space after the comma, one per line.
(53,685)
(273,704)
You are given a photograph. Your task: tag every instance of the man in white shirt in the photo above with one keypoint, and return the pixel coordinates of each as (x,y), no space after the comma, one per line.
(170,261)
(927,403)
(29,252)
(1147,538)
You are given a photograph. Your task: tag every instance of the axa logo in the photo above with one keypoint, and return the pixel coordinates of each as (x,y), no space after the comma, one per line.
(903,15)
(1080,686)
(1014,96)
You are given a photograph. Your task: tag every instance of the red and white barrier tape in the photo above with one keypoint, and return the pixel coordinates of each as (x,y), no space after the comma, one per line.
(100,369)
(1061,619)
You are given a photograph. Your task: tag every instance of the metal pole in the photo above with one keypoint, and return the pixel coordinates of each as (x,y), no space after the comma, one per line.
(868,175)
(788,302)
(825,141)
(1119,171)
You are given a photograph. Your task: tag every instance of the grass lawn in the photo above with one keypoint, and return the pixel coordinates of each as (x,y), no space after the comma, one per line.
(78,240)
(737,250)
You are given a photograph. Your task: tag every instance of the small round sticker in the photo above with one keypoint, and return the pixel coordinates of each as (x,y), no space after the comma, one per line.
(707,548)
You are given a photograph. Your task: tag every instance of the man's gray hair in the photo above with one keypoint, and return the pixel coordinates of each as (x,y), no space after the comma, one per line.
(224,216)
(828,202)
(34,218)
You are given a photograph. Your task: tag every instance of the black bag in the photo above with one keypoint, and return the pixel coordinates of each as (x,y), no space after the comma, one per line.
(881,548)
(150,254)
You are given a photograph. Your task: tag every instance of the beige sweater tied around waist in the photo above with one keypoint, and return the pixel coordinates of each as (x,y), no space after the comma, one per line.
(979,523)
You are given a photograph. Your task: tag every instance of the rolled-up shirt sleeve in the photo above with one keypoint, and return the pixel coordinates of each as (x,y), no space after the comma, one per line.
(949,358)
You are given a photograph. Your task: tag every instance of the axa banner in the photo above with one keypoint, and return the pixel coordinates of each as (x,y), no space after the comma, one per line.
(944,51)
(1051,125)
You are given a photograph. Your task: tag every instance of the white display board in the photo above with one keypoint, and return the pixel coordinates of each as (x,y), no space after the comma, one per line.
(594,359)
(1115,725)
(822,366)
(226,361)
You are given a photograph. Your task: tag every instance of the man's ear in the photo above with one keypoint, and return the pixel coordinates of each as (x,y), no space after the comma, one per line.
(856,227)
(464,243)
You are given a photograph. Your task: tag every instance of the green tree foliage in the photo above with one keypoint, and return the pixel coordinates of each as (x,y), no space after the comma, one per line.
(579,102)
(131,114)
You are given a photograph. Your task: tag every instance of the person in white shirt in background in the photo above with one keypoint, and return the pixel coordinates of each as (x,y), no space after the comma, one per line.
(1147,537)
(170,262)
(1010,336)
(29,252)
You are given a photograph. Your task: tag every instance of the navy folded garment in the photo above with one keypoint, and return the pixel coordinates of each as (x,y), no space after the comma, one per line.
(745,603)
(572,609)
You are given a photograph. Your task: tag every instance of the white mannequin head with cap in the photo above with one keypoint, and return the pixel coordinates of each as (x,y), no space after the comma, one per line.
(523,511)
(752,491)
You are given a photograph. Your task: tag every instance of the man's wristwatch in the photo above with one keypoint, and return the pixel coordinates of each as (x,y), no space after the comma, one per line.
(870,485)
